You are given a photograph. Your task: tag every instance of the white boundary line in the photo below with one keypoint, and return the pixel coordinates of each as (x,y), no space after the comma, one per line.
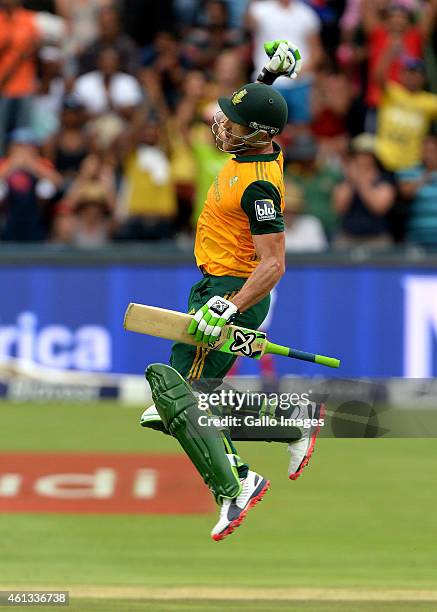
(234,593)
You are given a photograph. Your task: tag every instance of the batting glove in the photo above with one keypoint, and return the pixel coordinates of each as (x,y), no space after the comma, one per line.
(208,322)
(285,60)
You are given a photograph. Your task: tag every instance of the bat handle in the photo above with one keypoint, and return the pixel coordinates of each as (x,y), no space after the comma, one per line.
(277,349)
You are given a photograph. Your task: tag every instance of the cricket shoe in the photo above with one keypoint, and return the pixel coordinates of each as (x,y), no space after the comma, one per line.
(233,511)
(150,418)
(301,450)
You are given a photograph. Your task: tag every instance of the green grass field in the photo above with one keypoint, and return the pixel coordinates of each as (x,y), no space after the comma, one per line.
(361,520)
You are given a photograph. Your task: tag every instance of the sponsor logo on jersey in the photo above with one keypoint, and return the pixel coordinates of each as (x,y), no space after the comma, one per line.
(265,210)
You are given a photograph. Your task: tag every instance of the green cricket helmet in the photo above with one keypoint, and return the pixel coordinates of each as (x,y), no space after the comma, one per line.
(257,106)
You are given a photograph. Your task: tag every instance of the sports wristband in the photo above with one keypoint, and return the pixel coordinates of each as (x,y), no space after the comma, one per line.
(267,77)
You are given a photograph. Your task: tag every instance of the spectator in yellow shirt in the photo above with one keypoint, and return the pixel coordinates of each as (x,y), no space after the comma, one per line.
(147,207)
(404,117)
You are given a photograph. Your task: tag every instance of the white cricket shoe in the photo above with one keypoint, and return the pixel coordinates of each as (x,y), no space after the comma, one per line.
(301,450)
(150,418)
(233,511)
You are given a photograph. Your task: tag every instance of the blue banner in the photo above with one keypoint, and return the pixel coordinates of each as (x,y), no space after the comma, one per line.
(379,321)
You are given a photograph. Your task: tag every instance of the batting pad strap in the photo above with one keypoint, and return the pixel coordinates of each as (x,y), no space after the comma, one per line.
(203,443)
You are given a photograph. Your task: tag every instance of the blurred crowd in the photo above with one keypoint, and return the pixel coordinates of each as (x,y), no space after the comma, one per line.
(106,107)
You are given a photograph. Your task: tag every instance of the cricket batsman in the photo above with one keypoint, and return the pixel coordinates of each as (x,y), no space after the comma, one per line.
(240,251)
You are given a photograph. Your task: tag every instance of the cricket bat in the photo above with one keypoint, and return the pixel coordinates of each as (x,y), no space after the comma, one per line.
(238,341)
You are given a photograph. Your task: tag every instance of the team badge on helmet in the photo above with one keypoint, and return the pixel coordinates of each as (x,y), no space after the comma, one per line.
(238,96)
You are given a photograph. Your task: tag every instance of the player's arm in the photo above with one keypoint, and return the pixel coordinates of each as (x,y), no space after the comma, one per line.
(427,18)
(270,249)
(390,55)
(369,15)
(261,201)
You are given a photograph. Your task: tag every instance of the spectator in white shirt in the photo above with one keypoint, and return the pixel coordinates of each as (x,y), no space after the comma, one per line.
(107,89)
(304,233)
(295,21)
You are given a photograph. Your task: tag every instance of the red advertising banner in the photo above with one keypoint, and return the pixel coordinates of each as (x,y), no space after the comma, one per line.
(101,483)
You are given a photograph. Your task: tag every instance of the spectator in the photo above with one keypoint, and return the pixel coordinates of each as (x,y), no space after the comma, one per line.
(19,40)
(84,218)
(364,198)
(350,26)
(97,173)
(27,181)
(93,217)
(183,168)
(63,226)
(207,158)
(207,41)
(390,39)
(311,181)
(164,67)
(47,105)
(228,74)
(110,35)
(68,148)
(147,208)
(107,88)
(333,114)
(303,233)
(82,19)
(404,117)
(295,21)
(418,186)
(351,58)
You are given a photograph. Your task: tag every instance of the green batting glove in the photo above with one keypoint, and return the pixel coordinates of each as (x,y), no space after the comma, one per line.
(208,322)
(285,60)
(271,47)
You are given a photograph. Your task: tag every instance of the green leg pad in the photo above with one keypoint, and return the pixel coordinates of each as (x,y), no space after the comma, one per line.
(177,407)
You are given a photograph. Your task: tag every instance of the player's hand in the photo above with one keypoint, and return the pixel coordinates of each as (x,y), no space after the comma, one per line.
(208,322)
(285,60)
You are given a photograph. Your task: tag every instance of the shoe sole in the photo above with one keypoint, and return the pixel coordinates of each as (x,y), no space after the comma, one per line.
(310,451)
(237,522)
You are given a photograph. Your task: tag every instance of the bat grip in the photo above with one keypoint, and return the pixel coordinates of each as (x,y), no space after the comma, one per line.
(330,362)
(277,349)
